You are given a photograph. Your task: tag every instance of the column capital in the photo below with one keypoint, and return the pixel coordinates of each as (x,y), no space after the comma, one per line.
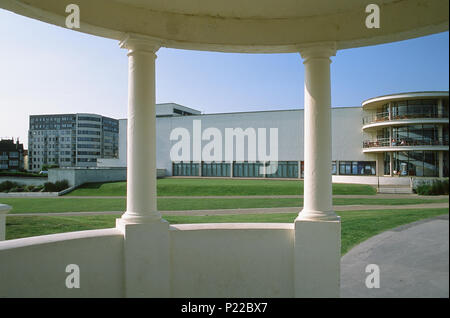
(323,50)
(139,43)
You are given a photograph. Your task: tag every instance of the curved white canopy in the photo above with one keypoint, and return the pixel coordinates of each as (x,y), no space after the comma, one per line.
(246,25)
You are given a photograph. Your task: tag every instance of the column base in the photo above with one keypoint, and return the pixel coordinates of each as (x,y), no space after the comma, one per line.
(138,218)
(146,258)
(312,215)
(317,256)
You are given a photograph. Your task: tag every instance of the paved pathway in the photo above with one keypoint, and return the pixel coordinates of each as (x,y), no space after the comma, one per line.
(377,196)
(252,210)
(413,260)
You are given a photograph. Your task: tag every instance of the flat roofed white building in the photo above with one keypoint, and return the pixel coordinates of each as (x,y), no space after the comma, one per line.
(362,143)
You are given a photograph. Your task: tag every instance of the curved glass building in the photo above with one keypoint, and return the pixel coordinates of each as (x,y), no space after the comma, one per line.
(409,132)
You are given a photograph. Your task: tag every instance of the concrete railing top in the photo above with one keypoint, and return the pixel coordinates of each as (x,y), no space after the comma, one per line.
(4,209)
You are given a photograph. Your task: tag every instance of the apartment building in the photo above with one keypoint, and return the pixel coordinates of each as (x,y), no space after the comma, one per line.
(11,155)
(71,140)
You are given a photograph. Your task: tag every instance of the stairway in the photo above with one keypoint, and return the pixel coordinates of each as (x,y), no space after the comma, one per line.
(398,189)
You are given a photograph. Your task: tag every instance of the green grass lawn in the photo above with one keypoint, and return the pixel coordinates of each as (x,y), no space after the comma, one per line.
(52,205)
(218,187)
(357,226)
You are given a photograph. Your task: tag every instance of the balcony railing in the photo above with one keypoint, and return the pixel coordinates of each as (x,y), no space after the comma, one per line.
(375,118)
(404,142)
(382,117)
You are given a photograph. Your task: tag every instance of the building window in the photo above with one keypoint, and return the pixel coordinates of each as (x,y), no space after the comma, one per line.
(89,118)
(216,169)
(418,108)
(88,126)
(248,169)
(333,167)
(416,163)
(357,168)
(285,169)
(185,169)
(88,139)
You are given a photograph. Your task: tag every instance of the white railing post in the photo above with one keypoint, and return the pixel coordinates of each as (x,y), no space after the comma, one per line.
(4,209)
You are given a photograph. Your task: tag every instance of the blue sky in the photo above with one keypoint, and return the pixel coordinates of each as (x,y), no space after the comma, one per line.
(48,69)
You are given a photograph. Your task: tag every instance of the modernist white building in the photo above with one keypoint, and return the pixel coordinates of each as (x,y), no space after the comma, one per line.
(394,135)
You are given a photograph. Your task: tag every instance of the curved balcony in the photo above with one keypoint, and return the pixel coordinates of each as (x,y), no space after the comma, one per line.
(406,144)
(383,119)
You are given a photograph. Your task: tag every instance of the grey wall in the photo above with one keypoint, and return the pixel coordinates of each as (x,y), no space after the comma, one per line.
(78,176)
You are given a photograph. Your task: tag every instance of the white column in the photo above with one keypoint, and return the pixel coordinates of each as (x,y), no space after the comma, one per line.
(317,175)
(141,135)
(146,234)
(390,111)
(317,228)
(391,163)
(441,164)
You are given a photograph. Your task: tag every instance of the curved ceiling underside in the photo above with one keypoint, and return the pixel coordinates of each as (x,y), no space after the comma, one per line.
(246,25)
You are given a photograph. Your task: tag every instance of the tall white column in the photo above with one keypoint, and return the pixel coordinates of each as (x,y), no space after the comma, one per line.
(141,135)
(317,228)
(318,203)
(146,234)
(391,163)
(441,164)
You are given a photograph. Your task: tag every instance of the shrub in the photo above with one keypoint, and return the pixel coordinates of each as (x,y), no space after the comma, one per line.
(17,189)
(37,188)
(62,185)
(438,187)
(29,188)
(56,187)
(6,186)
(49,187)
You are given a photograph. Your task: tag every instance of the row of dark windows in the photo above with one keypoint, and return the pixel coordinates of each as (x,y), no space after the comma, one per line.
(88,132)
(282,169)
(408,108)
(88,139)
(88,153)
(89,125)
(87,118)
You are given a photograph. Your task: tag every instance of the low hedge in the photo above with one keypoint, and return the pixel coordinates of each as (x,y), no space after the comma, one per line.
(9,186)
(6,186)
(438,187)
(56,187)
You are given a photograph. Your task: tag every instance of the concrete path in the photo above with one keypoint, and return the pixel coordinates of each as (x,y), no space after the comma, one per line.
(413,260)
(252,210)
(377,196)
